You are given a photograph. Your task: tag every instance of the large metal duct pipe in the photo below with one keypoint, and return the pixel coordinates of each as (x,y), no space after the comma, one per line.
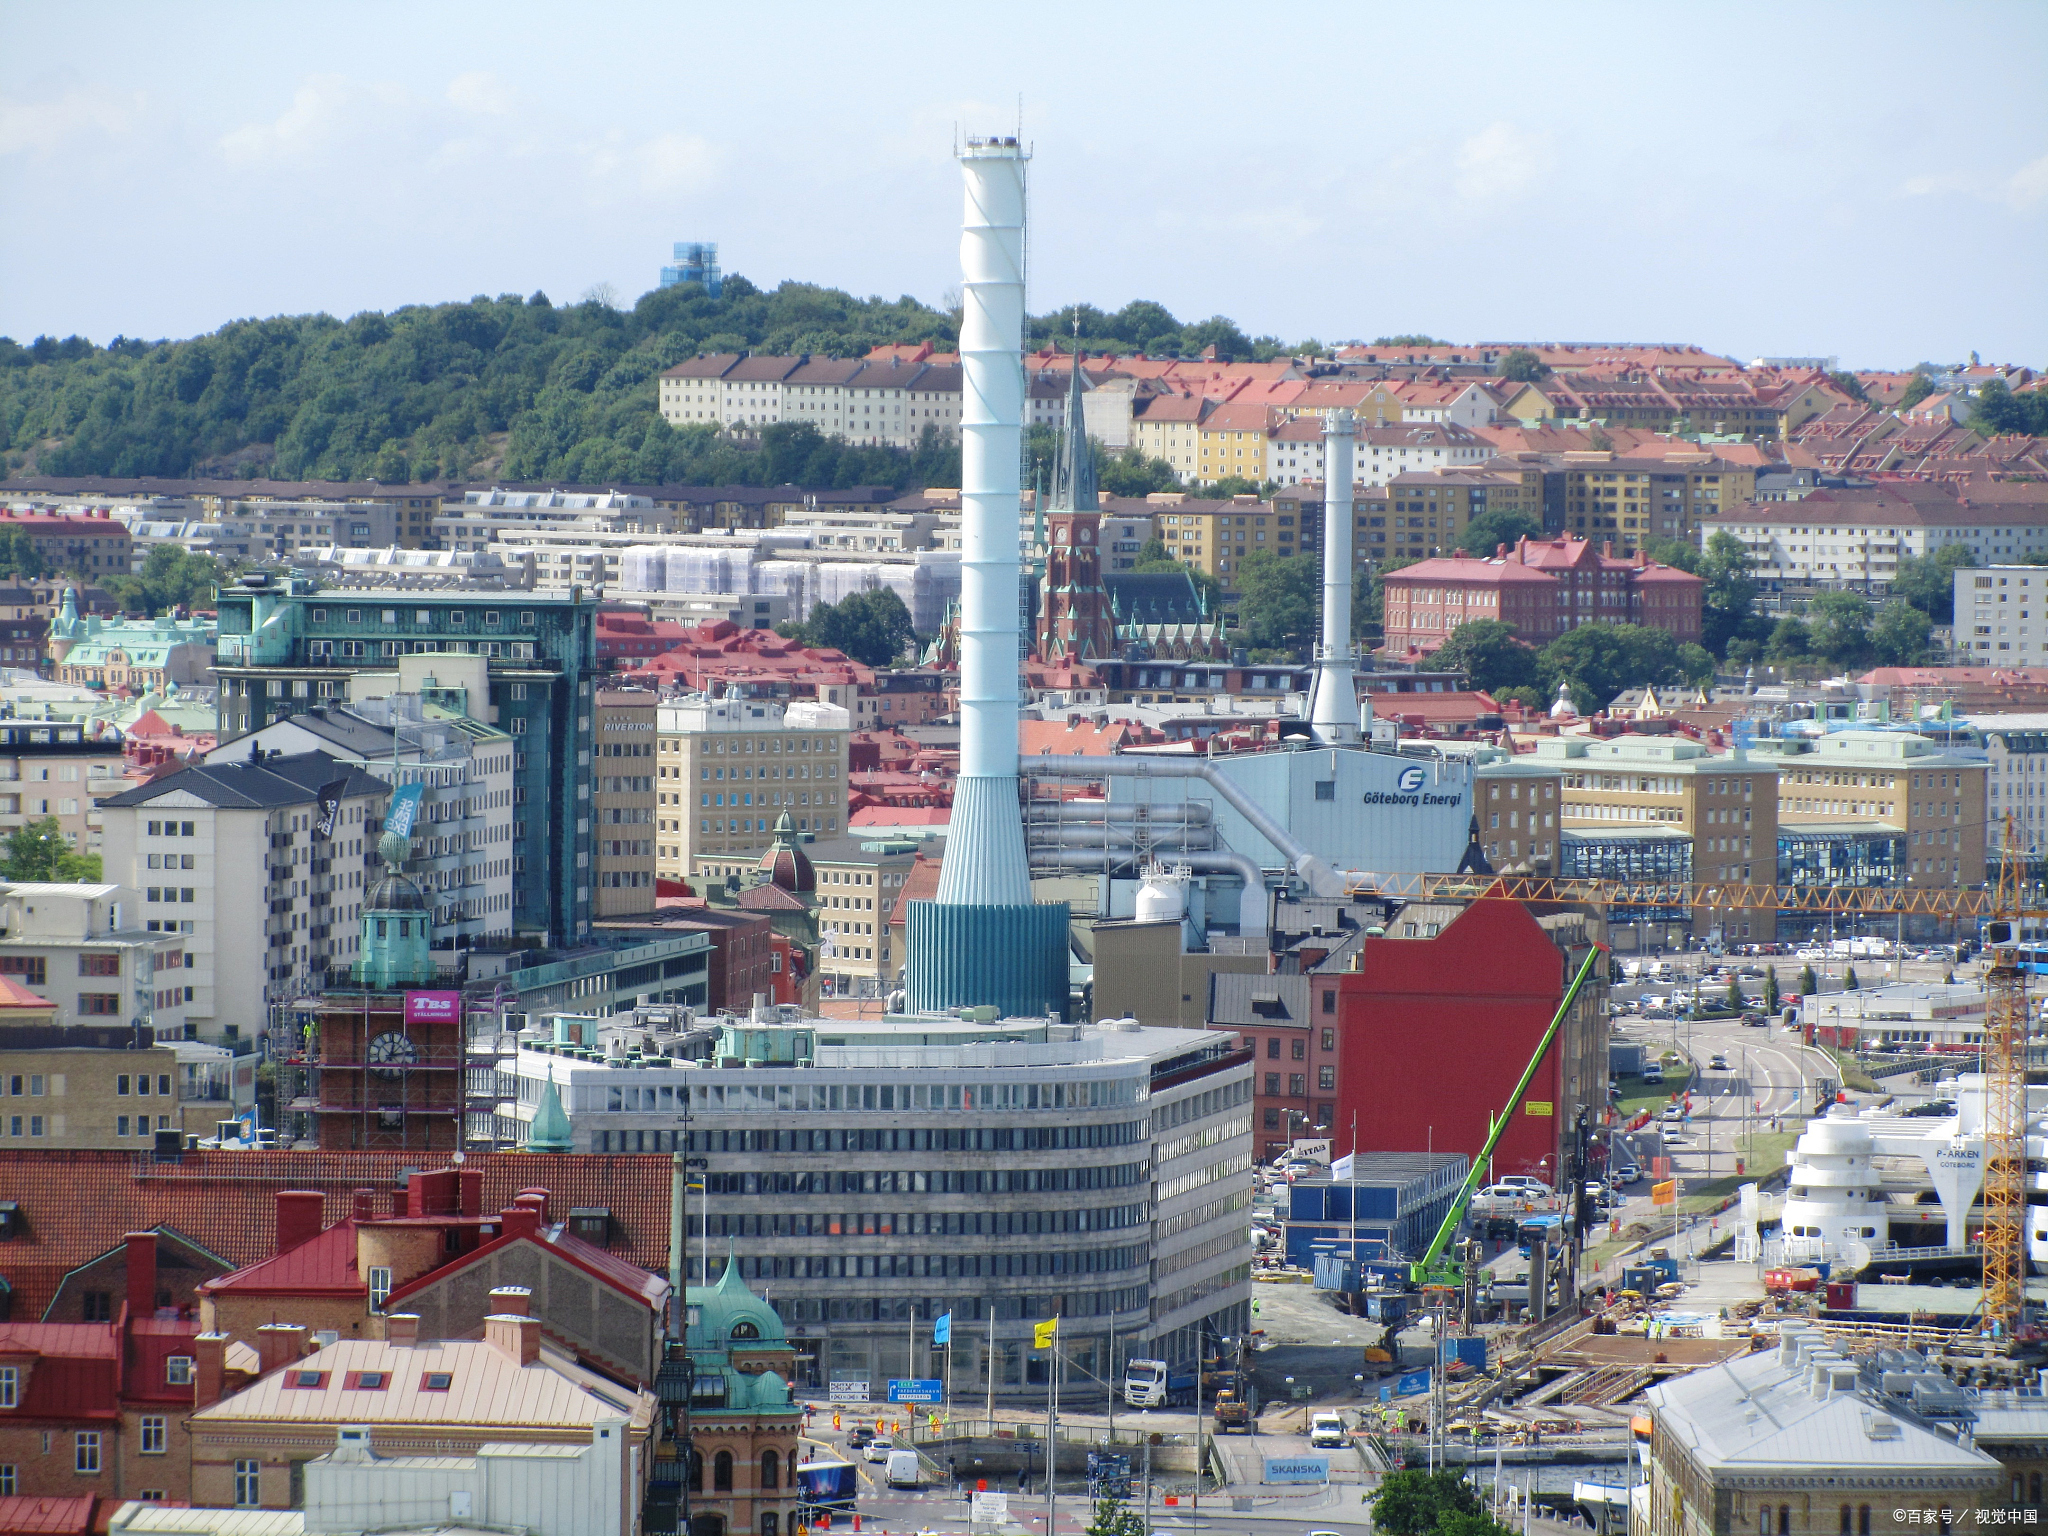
(1312,870)
(1333,699)
(1102,810)
(1251,901)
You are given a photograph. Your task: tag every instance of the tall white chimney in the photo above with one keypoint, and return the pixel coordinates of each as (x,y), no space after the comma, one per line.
(1333,700)
(985,821)
(982,940)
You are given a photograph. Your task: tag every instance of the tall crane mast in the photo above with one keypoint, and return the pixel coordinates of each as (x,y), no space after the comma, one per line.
(2005,1102)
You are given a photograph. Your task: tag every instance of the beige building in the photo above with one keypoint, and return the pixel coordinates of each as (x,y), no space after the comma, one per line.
(1665,809)
(1215,536)
(1517,804)
(85,948)
(1882,784)
(857,887)
(93,1087)
(622,802)
(726,768)
(50,768)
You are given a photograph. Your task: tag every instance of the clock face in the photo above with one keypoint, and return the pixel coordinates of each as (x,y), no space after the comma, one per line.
(392,1050)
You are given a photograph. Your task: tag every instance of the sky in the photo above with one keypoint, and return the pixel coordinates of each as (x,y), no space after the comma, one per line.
(1867,181)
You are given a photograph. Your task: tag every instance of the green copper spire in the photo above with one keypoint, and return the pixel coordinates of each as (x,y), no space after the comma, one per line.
(550,1130)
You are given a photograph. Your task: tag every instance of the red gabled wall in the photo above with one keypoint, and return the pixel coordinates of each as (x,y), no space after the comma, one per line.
(1434,1032)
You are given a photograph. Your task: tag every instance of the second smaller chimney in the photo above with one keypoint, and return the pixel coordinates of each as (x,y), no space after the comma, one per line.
(141,1262)
(209,1368)
(299,1213)
(512,1301)
(279,1344)
(402,1329)
(517,1336)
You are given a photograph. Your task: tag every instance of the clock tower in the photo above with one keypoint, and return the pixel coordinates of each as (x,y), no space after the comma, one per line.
(390,1033)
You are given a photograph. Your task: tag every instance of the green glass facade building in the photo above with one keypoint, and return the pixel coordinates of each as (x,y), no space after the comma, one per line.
(522,661)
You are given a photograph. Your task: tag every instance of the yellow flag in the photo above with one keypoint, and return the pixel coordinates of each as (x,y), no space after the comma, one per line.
(1043,1334)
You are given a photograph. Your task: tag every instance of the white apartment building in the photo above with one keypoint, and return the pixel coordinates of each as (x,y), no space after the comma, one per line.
(1294,454)
(462,836)
(483,514)
(233,857)
(2000,618)
(84,948)
(885,403)
(1847,538)
(727,768)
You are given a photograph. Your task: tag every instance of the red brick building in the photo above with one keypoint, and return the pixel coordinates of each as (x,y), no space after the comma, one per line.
(1542,588)
(1438,1019)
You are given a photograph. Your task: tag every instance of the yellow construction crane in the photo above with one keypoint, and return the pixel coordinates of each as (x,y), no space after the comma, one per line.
(2005,1101)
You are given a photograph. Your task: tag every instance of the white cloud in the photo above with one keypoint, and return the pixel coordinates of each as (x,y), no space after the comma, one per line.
(2028,185)
(482,92)
(322,109)
(1502,161)
(46,127)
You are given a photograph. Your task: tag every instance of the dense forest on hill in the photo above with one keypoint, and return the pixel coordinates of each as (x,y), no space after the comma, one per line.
(524,388)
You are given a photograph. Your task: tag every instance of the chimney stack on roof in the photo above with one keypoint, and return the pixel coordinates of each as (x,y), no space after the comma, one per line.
(402,1329)
(299,1214)
(279,1344)
(141,1263)
(209,1368)
(520,1221)
(512,1301)
(516,1335)
(363,1204)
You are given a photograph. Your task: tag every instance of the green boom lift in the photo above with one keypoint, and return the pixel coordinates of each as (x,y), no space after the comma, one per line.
(1435,1268)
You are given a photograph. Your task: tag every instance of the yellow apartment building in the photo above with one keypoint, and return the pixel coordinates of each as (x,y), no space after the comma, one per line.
(1880,807)
(725,769)
(1667,810)
(1233,443)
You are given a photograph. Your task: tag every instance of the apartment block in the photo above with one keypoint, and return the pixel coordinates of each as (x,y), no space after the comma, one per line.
(1630,501)
(878,401)
(1542,588)
(623,802)
(2000,614)
(858,882)
(520,661)
(726,768)
(51,768)
(1666,810)
(85,950)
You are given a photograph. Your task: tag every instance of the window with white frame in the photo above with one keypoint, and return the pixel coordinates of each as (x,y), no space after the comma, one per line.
(248,1484)
(380,1287)
(153,1434)
(85,1458)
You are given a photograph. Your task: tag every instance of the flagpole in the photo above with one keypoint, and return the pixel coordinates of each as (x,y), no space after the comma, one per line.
(1052,1404)
(991,1369)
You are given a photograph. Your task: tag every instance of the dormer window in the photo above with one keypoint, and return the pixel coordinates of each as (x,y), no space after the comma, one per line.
(744,1329)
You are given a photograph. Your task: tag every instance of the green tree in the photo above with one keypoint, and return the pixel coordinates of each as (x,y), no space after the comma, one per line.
(1838,626)
(1488,653)
(171,577)
(1278,600)
(1772,997)
(1410,339)
(1488,531)
(1849,982)
(1849,385)
(39,850)
(1735,998)
(1233,485)
(1808,982)
(1899,634)
(1928,581)
(1728,603)
(1115,1518)
(1414,1503)
(1918,388)
(871,627)
(1998,410)
(1597,661)
(1457,1522)
(21,555)
(1789,640)
(1521,366)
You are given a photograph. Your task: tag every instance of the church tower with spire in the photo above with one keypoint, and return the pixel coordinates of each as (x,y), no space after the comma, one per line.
(1075,621)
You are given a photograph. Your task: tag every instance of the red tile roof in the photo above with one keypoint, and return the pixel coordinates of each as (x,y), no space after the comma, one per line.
(75,1206)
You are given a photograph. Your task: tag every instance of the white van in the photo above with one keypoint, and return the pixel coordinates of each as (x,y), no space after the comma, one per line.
(1326,1429)
(903,1471)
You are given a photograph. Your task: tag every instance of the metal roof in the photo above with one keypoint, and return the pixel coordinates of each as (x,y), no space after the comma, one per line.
(289,780)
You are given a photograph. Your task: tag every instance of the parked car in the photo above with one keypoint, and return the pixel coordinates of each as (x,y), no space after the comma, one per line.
(1653,1073)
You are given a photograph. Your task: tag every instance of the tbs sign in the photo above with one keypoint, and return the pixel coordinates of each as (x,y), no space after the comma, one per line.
(433,1007)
